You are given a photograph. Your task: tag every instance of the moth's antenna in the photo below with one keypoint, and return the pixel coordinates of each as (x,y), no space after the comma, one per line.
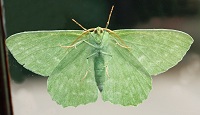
(79,24)
(109,16)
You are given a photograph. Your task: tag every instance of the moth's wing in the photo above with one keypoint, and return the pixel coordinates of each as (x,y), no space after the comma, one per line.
(40,51)
(72,82)
(157,50)
(127,82)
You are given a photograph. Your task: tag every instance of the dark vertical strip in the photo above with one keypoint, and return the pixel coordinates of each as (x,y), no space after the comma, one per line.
(5,94)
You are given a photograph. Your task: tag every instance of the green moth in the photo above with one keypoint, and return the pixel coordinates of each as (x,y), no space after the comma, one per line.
(80,63)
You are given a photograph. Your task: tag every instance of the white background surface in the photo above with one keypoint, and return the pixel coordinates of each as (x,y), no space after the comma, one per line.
(175,92)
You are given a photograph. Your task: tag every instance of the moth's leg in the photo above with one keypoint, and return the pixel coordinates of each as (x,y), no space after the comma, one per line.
(123,46)
(84,33)
(105,53)
(90,44)
(106,63)
(84,76)
(76,44)
(92,55)
(115,36)
(107,71)
(89,68)
(71,46)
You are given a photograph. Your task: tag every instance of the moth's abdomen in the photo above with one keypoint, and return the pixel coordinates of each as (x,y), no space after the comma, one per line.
(99,69)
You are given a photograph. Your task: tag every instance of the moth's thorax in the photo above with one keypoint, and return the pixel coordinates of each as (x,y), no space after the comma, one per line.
(98,35)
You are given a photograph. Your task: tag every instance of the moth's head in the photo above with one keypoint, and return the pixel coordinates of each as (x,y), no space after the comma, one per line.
(98,34)
(98,31)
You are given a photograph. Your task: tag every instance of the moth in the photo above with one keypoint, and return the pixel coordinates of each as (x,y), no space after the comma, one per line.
(81,63)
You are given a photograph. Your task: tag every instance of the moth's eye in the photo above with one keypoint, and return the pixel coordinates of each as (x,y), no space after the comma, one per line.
(101,30)
(95,31)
